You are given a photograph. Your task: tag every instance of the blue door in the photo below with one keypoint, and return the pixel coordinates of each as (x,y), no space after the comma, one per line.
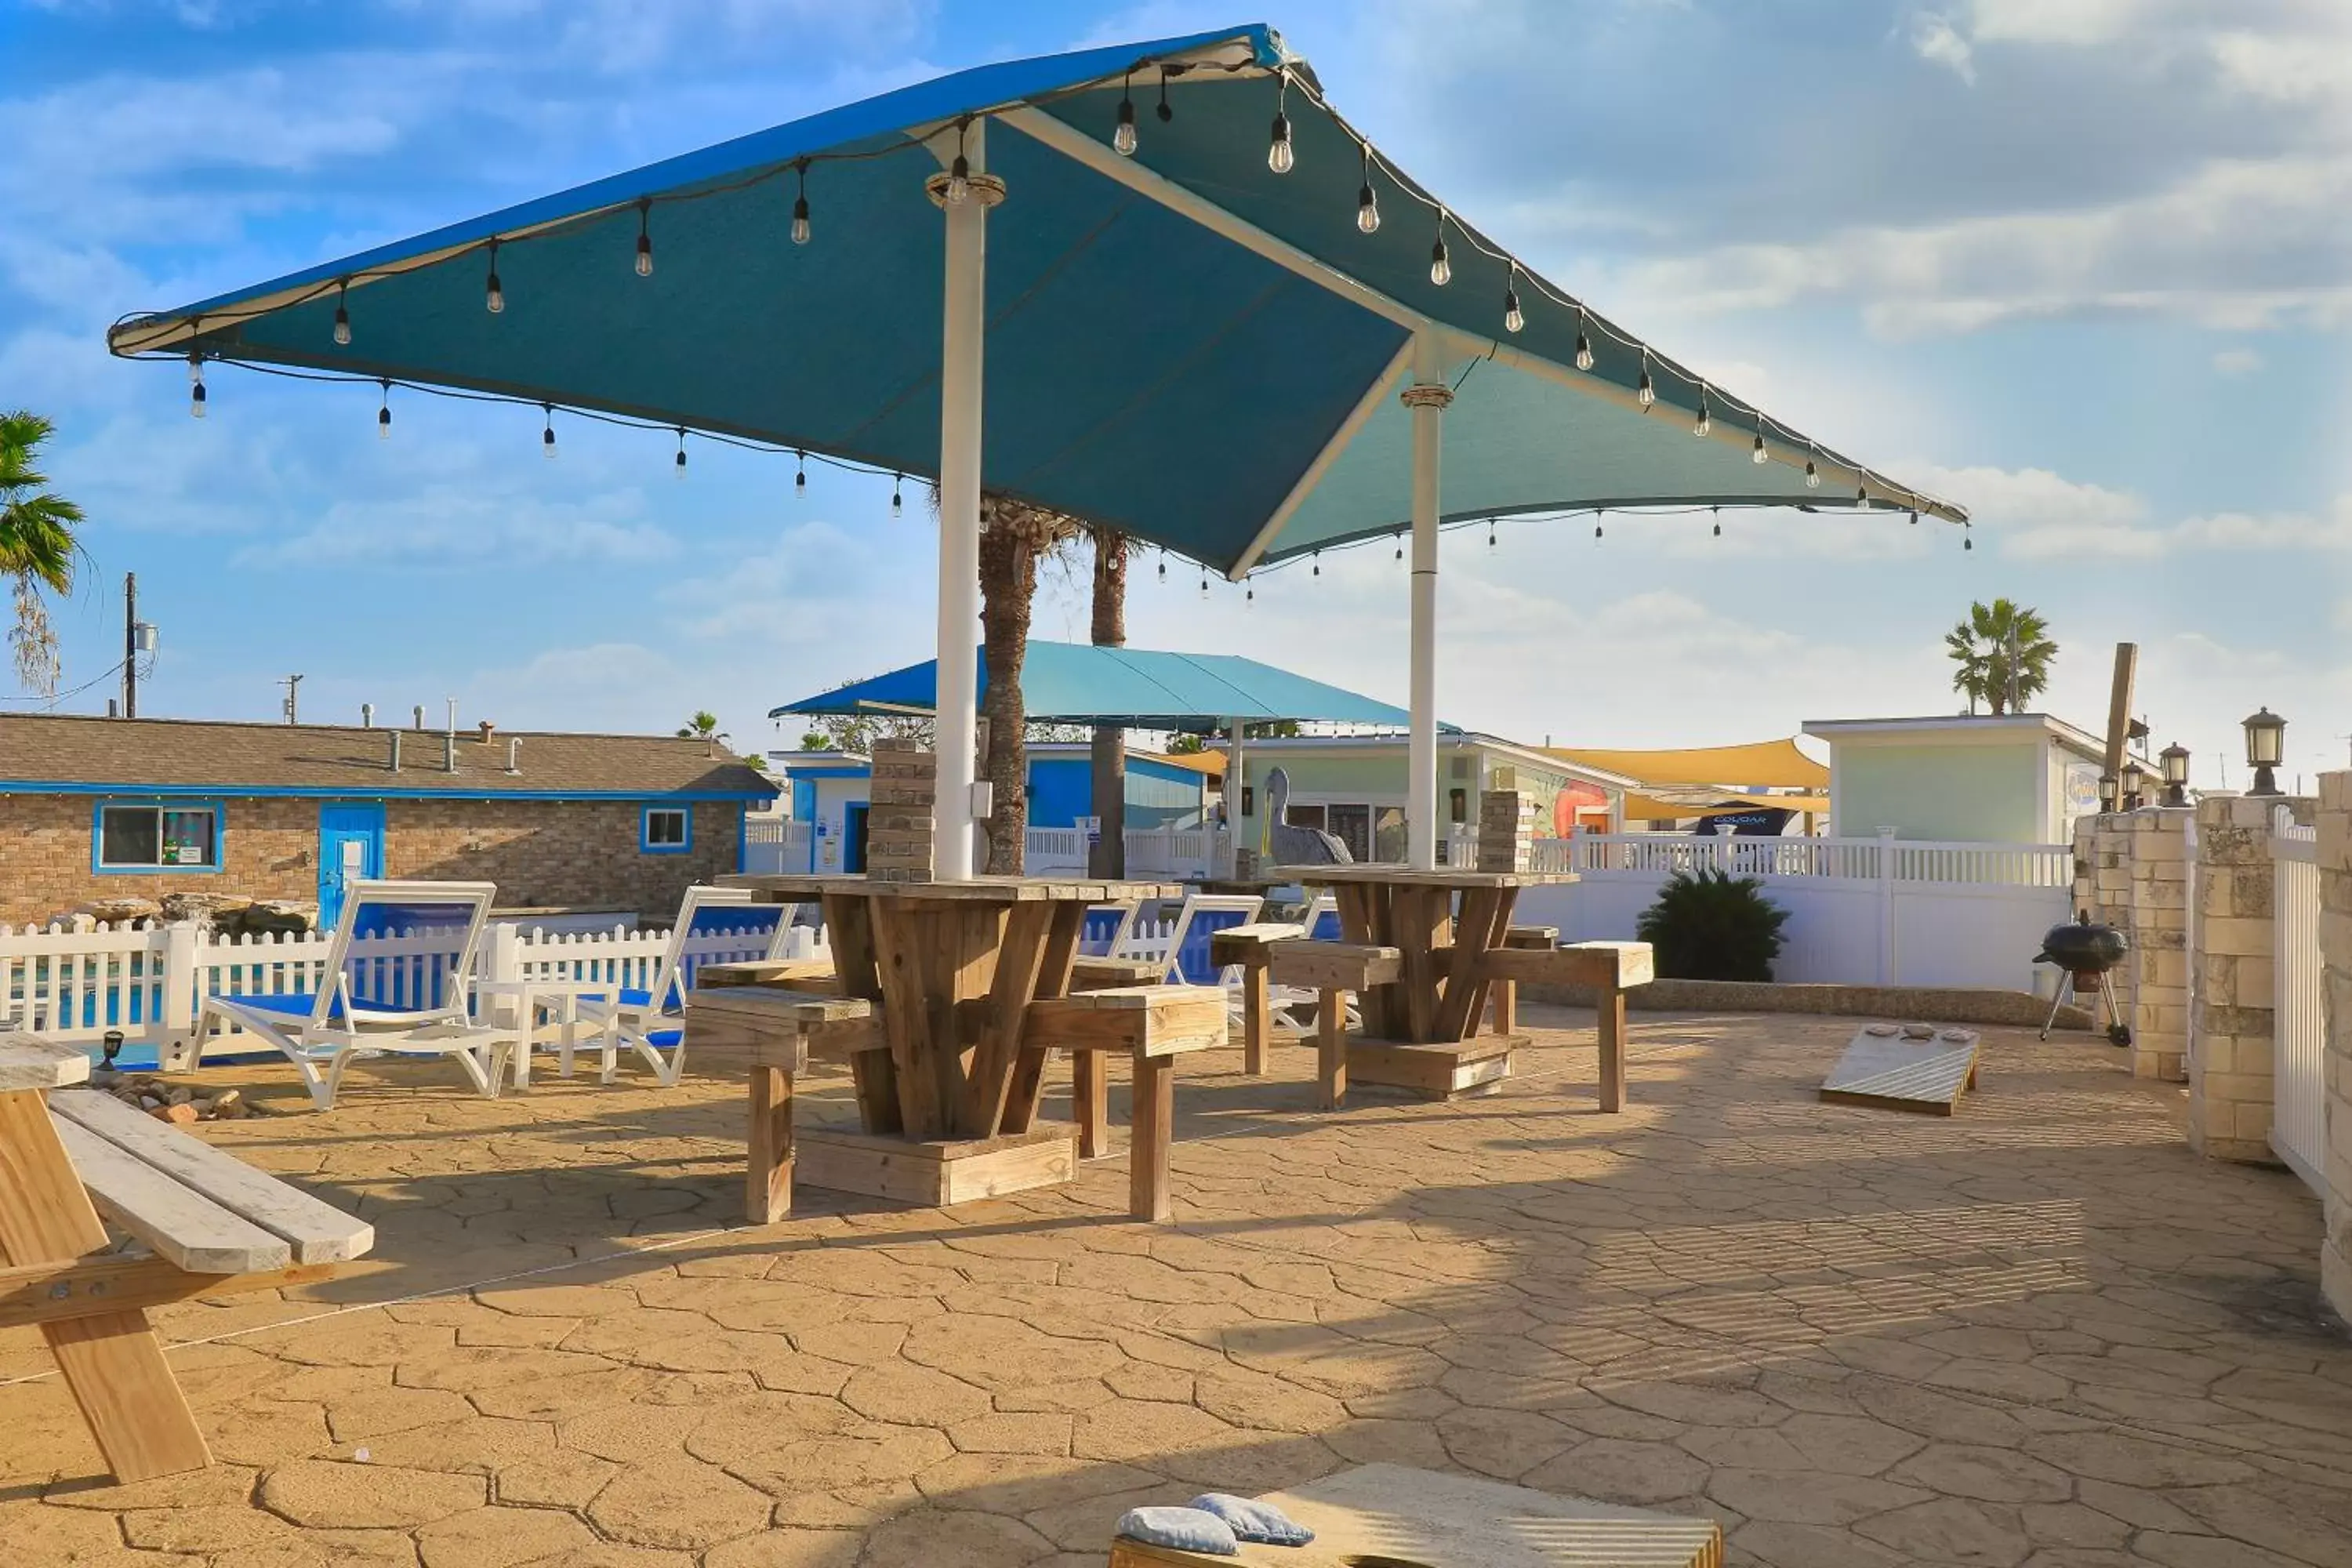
(351,846)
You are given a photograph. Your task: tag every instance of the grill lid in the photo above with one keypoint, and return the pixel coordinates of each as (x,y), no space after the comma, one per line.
(2083,946)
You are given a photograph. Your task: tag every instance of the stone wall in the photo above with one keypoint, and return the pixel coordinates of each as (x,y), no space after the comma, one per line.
(579,853)
(1506,820)
(899,828)
(2131,872)
(2334,815)
(2231,1021)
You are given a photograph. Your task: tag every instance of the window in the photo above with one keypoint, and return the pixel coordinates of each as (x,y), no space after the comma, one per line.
(158,838)
(668,830)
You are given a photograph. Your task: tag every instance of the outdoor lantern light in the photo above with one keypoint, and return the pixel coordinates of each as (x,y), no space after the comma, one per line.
(2106,792)
(2265,744)
(2135,786)
(2175,758)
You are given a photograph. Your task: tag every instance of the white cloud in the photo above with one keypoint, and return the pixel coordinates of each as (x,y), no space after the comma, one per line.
(2122,534)
(2237,361)
(441,528)
(2072,23)
(1933,38)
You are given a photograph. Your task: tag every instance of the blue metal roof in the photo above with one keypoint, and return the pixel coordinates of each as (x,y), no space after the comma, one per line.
(1075,683)
(1182,344)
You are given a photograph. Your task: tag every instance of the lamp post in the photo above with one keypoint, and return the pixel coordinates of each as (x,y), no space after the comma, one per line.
(2135,786)
(2265,744)
(2107,793)
(2175,758)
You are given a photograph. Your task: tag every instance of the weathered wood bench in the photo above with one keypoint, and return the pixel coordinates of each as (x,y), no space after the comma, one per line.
(1332,970)
(1609,969)
(1153,1024)
(1251,949)
(210,1226)
(1504,998)
(1097,974)
(812,974)
(776,1031)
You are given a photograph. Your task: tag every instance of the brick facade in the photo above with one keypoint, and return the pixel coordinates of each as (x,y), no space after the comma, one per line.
(2131,872)
(2232,1020)
(577,853)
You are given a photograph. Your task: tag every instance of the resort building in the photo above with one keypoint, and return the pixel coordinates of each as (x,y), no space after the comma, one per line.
(2016,778)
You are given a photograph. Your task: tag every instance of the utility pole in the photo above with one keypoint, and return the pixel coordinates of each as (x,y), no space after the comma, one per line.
(292,684)
(130,645)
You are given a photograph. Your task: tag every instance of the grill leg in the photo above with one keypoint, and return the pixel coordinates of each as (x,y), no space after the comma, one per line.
(2057,999)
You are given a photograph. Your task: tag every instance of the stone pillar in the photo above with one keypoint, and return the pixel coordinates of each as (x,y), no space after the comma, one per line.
(2335,948)
(2131,872)
(1506,820)
(899,813)
(2230,1017)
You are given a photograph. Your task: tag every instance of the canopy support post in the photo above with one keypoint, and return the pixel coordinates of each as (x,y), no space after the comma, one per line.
(957,699)
(1233,796)
(1427,397)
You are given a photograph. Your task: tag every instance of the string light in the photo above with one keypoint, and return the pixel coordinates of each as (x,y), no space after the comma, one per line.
(1164,563)
(898,506)
(1716,512)
(1915,519)
(1400,555)
(800,205)
(1204,581)
(1278,155)
(383,413)
(1757,454)
(1249,595)
(1862,495)
(678,468)
(1596,531)
(1441,268)
(1514,319)
(644,237)
(1318,563)
(1706,425)
(1583,343)
(799,476)
(1122,140)
(1968,539)
(1164,112)
(1490,534)
(343,314)
(196,385)
(1812,475)
(1368,204)
(1646,392)
(960,172)
(494,296)
(547,436)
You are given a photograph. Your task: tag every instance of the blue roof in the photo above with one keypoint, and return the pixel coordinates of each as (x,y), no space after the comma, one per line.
(1075,683)
(1182,344)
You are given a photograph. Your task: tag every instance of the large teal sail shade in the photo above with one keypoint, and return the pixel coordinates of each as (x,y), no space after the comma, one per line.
(1184,344)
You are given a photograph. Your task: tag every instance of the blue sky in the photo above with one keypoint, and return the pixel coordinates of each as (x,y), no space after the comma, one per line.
(2081,264)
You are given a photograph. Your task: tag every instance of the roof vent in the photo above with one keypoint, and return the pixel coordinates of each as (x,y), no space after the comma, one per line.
(488,731)
(514,754)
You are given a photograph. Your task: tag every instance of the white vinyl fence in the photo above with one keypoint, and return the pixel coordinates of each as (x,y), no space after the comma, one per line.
(772,844)
(2298,1109)
(149,981)
(1862,912)
(1180,852)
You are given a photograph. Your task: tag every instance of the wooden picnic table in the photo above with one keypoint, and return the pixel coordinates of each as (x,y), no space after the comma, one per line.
(955,970)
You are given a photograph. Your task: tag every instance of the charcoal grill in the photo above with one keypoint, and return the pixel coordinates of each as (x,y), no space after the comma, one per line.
(2088,952)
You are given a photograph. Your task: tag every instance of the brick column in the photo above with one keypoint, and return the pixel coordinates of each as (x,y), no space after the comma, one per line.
(2131,872)
(1506,830)
(2230,1013)
(2335,947)
(899,813)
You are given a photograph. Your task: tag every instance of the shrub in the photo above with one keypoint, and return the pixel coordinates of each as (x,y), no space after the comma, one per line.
(1711,925)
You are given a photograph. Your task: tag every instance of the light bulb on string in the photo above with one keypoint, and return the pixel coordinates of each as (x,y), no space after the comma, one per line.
(960,172)
(1812,475)
(547,436)
(1583,343)
(493,296)
(343,314)
(644,237)
(1318,563)
(1645,391)
(1968,539)
(897,505)
(800,205)
(1716,512)
(1400,555)
(1441,267)
(1163,565)
(384,414)
(1279,155)
(1514,319)
(1204,582)
(1914,519)
(1596,531)
(1249,593)
(678,467)
(1122,140)
(1704,426)
(1490,534)
(196,385)
(799,476)
(1862,495)
(1368,203)
(1165,113)
(1757,454)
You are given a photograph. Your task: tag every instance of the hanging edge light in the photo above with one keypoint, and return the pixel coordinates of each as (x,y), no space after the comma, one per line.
(644,237)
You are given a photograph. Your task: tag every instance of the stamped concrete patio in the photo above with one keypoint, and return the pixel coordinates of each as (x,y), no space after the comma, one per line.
(2042,1332)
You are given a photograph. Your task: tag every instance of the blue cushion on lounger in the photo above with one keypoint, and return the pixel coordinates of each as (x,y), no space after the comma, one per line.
(1184,1529)
(1253,1521)
(663,1039)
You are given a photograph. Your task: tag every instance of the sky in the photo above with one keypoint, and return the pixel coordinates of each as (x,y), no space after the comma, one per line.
(2081,265)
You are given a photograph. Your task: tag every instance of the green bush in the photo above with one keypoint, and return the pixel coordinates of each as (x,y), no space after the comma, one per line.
(1711,925)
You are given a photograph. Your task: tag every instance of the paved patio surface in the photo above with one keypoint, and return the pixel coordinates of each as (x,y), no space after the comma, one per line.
(2042,1333)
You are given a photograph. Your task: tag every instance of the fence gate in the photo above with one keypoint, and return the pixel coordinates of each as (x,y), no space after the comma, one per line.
(2299,1113)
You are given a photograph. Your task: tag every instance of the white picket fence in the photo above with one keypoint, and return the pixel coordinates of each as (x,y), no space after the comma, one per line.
(2299,1062)
(150,981)
(1862,912)
(772,844)
(1179,852)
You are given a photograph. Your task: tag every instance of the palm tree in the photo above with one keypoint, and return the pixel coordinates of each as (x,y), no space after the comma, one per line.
(1108,857)
(1985,646)
(37,547)
(1013,537)
(703,726)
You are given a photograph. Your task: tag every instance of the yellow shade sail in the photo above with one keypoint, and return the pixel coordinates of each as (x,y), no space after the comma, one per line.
(1774,763)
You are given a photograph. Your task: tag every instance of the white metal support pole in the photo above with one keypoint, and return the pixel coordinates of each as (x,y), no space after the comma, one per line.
(958,694)
(1427,397)
(1234,794)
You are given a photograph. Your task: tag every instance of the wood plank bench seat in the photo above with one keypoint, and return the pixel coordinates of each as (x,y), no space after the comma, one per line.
(1095,973)
(1332,969)
(1504,996)
(1609,969)
(1251,948)
(812,974)
(1153,1024)
(777,1031)
(210,1224)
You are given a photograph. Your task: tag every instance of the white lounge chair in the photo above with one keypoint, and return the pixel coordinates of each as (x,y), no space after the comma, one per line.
(398,976)
(1107,928)
(1185,948)
(715,925)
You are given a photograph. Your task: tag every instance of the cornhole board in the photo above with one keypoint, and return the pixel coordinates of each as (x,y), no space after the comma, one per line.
(1401,1518)
(1892,1067)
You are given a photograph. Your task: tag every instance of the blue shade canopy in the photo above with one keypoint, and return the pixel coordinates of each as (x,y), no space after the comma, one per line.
(1182,344)
(1076,683)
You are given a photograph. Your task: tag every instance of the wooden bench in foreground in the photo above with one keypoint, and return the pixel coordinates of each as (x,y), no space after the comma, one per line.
(1400,1518)
(211,1225)
(1610,968)
(1251,948)
(1332,970)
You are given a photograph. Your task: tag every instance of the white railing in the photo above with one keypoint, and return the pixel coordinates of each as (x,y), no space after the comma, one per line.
(1862,912)
(149,981)
(1179,852)
(772,844)
(2299,1060)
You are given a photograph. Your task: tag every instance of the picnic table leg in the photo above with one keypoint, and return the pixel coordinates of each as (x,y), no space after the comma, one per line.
(112,1362)
(1090,1102)
(1331,1048)
(1153,1128)
(1257,1017)
(1613,1049)
(1505,1010)
(768,1178)
(1053,980)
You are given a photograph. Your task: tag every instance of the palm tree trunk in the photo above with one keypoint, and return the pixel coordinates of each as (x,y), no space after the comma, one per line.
(1109,856)
(1008,578)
